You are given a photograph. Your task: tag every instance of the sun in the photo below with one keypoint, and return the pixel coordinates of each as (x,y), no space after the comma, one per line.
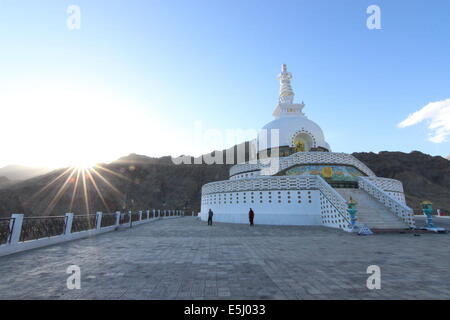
(81,178)
(83,160)
(84,164)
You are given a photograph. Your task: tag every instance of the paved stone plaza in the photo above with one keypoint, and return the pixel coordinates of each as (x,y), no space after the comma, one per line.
(185,259)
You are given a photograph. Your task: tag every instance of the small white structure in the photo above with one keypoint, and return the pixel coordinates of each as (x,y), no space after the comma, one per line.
(297,180)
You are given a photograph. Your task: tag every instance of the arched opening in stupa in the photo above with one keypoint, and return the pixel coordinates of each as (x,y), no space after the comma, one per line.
(303,142)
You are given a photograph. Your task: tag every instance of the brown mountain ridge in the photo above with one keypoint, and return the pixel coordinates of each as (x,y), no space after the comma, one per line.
(141,182)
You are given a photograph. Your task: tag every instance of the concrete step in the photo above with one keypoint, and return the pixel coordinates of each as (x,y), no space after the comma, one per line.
(391,230)
(371,212)
(382,224)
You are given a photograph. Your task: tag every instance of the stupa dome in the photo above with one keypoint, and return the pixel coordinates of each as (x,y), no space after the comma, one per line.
(293,130)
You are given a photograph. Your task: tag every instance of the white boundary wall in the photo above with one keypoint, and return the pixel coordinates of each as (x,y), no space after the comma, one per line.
(15,246)
(276,200)
(277,207)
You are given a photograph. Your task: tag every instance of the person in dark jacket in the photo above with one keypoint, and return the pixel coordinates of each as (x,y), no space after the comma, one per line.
(251,216)
(210,216)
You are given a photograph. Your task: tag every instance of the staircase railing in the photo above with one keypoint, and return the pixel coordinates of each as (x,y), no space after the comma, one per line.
(402,211)
(334,198)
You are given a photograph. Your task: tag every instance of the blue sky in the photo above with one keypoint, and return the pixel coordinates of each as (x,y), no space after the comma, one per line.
(138,75)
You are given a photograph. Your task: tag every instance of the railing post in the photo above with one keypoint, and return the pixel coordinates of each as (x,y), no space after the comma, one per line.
(140,215)
(154,212)
(117,218)
(99,220)
(69,221)
(130,213)
(148,214)
(15,225)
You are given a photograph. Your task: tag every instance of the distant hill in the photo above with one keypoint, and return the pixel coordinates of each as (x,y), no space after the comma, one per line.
(4,181)
(140,159)
(14,172)
(140,182)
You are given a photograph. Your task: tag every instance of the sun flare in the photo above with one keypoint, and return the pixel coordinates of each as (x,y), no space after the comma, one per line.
(84,165)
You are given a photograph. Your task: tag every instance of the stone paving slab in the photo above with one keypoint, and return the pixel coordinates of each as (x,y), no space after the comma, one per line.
(185,259)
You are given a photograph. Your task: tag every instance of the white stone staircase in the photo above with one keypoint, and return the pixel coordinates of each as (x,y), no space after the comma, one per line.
(371,212)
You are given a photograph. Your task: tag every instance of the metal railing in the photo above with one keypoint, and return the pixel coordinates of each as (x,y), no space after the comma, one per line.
(124,218)
(18,228)
(84,222)
(134,216)
(42,227)
(108,220)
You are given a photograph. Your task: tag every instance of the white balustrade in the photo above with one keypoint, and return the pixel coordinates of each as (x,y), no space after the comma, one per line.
(302,158)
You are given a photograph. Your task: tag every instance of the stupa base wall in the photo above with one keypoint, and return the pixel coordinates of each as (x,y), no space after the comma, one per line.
(268,219)
(295,208)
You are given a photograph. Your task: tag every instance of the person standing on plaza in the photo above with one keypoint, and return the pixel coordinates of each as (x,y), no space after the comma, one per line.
(210,217)
(251,216)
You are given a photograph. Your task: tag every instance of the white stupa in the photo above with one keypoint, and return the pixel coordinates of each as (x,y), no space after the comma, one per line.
(299,181)
(293,125)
